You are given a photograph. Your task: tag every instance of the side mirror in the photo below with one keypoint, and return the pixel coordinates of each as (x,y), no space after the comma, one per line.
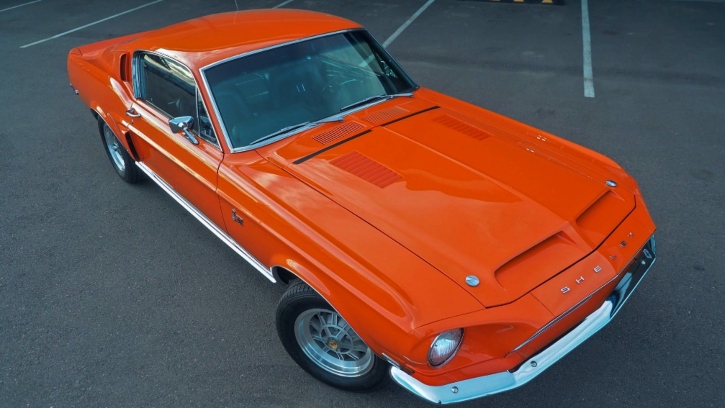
(182,124)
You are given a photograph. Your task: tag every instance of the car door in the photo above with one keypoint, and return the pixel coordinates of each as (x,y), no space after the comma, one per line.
(165,89)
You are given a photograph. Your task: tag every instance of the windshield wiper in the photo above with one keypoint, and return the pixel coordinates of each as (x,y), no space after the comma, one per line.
(279,132)
(333,118)
(374,98)
(362,102)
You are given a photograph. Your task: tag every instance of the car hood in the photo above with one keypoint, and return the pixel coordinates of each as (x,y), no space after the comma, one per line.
(468,198)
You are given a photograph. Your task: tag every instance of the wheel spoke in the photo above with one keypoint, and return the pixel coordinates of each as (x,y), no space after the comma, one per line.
(344,327)
(350,333)
(322,319)
(359,346)
(316,325)
(331,343)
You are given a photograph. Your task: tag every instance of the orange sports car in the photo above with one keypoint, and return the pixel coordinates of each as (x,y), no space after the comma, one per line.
(422,238)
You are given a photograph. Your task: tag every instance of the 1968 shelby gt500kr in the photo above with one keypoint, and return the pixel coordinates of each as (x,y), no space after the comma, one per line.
(425,239)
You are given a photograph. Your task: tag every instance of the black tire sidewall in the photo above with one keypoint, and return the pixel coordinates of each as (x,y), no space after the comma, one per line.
(130,173)
(298,300)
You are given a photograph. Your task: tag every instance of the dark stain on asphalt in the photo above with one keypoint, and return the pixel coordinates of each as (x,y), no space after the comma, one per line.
(543,113)
(702,174)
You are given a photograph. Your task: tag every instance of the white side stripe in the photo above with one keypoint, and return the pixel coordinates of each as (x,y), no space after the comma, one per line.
(587,41)
(407,23)
(19,5)
(88,25)
(282,4)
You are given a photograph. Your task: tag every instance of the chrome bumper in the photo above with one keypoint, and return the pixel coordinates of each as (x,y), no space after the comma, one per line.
(504,381)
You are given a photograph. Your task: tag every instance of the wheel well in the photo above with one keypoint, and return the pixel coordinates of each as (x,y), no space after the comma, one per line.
(131,148)
(283,275)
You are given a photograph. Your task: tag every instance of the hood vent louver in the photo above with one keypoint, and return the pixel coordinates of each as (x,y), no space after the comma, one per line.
(338,132)
(367,169)
(385,115)
(462,127)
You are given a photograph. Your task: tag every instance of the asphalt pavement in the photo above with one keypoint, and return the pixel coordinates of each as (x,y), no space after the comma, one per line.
(112,295)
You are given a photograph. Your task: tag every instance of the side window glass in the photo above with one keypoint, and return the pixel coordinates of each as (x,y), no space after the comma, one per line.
(167,85)
(203,125)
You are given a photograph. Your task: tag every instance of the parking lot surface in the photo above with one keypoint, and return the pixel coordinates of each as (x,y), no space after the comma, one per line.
(113,295)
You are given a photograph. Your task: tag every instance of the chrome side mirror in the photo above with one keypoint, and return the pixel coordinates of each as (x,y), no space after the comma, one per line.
(182,124)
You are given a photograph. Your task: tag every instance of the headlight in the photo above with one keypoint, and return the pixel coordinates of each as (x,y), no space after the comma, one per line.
(444,346)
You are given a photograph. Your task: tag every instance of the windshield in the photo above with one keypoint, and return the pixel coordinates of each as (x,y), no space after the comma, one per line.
(262,93)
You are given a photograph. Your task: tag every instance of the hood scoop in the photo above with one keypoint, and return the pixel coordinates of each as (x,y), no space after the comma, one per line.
(366,168)
(596,221)
(338,132)
(464,196)
(462,127)
(536,264)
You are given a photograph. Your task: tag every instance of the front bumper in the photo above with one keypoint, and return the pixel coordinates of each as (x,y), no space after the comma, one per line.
(491,384)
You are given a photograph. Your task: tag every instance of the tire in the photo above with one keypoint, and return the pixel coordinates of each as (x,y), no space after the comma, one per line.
(321,342)
(121,161)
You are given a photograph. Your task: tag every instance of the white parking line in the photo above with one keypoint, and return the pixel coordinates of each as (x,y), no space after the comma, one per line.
(19,5)
(587,41)
(407,23)
(282,4)
(93,23)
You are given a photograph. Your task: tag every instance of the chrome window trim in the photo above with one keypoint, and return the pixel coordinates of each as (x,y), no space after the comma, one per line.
(400,67)
(267,272)
(271,47)
(138,87)
(216,138)
(293,132)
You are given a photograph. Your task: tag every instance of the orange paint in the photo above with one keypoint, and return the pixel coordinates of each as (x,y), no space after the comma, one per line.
(387,225)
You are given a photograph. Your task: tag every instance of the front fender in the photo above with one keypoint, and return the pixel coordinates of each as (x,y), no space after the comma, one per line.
(383,290)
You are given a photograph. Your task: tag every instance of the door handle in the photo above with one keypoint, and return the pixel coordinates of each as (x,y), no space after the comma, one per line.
(132,113)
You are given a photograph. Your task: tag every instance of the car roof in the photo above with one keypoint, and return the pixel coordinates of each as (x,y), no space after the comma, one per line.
(205,40)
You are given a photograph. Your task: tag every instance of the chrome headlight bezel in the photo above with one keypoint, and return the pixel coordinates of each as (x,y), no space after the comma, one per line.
(456,336)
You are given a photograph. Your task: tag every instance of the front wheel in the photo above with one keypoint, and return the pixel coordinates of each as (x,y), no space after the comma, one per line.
(323,343)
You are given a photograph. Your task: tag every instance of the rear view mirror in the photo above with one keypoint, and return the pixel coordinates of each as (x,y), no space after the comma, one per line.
(182,124)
